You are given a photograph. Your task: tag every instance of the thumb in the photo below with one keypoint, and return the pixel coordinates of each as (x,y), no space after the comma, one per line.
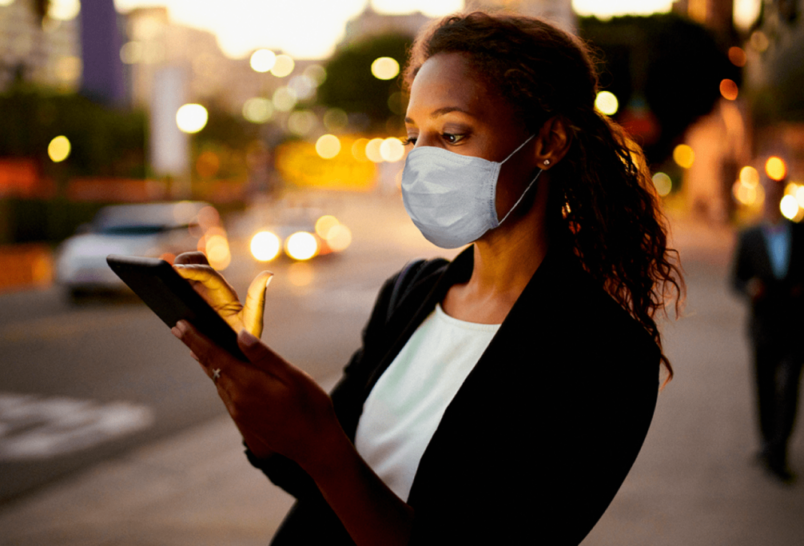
(254,308)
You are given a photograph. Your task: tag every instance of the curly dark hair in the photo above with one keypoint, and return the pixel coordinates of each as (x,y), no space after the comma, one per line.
(602,201)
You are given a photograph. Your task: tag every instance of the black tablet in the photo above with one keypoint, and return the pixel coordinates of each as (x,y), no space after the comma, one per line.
(172,298)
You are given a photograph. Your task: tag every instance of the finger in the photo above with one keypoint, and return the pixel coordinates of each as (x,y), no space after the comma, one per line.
(202,349)
(259,354)
(254,309)
(194,257)
(205,275)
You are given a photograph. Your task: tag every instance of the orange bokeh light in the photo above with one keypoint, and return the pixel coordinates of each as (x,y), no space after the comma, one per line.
(729,89)
(775,168)
(737,56)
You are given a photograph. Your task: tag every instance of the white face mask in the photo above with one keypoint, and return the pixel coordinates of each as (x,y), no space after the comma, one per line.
(451,197)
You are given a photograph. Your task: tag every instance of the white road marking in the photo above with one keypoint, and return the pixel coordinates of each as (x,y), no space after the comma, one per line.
(34,427)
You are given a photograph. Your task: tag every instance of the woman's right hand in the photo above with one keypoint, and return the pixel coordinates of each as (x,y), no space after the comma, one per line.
(211,285)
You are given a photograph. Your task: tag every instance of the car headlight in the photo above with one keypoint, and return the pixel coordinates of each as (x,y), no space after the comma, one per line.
(301,246)
(265,246)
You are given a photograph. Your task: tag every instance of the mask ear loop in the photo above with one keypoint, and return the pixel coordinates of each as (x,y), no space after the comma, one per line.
(521,197)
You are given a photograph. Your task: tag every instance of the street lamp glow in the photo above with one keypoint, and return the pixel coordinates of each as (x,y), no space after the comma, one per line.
(392,150)
(607,103)
(258,110)
(775,168)
(789,207)
(684,156)
(283,66)
(729,89)
(385,68)
(262,60)
(373,150)
(191,118)
(749,176)
(662,183)
(59,149)
(328,146)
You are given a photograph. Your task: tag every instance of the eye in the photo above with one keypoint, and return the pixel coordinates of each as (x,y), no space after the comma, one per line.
(409,140)
(452,138)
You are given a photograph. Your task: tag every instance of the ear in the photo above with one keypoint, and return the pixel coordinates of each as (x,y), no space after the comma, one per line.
(552,142)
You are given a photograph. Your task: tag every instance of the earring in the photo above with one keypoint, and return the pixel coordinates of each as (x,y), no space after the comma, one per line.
(546,161)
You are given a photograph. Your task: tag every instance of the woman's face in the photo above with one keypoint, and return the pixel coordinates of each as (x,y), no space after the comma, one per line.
(452,108)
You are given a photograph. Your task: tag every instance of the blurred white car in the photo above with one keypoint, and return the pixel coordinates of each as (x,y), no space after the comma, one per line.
(159,230)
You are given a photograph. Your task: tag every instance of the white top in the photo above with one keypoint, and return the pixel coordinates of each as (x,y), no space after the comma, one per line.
(405,407)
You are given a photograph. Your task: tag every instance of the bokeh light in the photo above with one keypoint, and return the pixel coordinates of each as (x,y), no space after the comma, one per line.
(216,247)
(759,41)
(339,238)
(317,73)
(262,60)
(748,195)
(775,168)
(373,150)
(265,246)
(324,224)
(662,183)
(191,118)
(749,176)
(258,110)
(392,149)
(63,10)
(283,66)
(131,52)
(335,119)
(301,246)
(799,195)
(737,56)
(729,89)
(284,99)
(385,68)
(302,122)
(303,86)
(59,149)
(684,156)
(789,207)
(607,103)
(359,149)
(328,146)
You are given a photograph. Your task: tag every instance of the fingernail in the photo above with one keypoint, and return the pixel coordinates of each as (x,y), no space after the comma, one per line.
(247,339)
(181,326)
(176,332)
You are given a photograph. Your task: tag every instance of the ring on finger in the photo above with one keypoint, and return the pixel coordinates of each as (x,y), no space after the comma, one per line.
(216,374)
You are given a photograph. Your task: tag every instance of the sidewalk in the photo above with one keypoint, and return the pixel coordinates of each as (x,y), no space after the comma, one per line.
(694,483)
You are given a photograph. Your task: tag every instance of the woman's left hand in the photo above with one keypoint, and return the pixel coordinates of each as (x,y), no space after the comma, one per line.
(276,406)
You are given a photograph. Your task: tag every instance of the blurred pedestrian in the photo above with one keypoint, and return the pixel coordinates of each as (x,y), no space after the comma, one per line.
(503,397)
(769,271)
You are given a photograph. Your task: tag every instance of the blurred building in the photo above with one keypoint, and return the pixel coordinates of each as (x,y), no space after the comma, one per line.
(370,23)
(716,15)
(557,11)
(44,50)
(774,76)
(764,117)
(102,74)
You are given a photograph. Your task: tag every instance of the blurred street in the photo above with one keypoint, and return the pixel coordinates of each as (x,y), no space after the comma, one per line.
(183,479)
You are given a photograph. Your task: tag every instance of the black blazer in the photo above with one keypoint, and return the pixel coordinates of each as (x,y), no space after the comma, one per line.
(777,316)
(540,436)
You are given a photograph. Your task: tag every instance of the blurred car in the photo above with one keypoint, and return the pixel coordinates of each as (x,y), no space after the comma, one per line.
(159,230)
(299,233)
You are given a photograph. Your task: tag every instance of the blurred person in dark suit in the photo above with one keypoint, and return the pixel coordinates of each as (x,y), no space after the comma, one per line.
(769,271)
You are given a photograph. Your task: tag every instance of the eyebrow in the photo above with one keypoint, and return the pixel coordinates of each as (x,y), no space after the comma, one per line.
(441,112)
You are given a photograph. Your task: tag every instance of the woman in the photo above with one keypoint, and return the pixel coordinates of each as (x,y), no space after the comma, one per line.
(500,399)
